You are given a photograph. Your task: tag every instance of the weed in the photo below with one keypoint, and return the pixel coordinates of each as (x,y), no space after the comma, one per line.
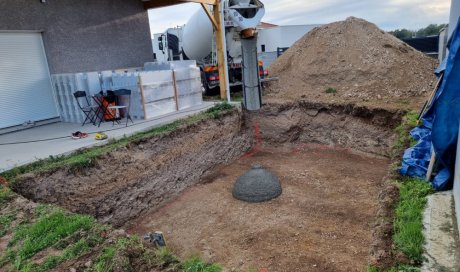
(105,260)
(331,90)
(195,264)
(5,194)
(82,246)
(408,224)
(45,232)
(372,269)
(5,222)
(164,257)
(403,138)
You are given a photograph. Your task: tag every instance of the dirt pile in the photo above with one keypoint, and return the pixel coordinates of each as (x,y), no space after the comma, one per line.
(352,61)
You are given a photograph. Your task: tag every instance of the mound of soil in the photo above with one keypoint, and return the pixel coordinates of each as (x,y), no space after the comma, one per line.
(352,61)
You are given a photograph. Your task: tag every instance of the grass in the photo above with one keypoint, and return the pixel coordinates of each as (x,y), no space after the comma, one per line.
(5,194)
(408,218)
(408,225)
(331,90)
(195,264)
(398,268)
(121,253)
(5,222)
(403,138)
(86,157)
(71,235)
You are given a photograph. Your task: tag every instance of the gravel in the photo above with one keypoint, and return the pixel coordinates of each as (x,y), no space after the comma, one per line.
(257,185)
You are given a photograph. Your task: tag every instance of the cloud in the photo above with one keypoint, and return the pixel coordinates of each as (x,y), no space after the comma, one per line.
(164,18)
(389,14)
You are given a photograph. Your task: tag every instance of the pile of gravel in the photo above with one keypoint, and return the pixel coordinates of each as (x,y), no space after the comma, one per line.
(257,185)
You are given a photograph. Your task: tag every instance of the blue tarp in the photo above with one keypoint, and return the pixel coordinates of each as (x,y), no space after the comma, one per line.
(440,125)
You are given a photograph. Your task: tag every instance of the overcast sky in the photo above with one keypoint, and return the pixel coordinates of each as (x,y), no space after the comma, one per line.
(387,14)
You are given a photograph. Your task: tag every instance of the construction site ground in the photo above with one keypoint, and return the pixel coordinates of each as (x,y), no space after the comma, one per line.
(321,222)
(332,151)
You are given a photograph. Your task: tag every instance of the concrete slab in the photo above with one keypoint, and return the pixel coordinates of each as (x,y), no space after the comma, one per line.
(442,249)
(54,139)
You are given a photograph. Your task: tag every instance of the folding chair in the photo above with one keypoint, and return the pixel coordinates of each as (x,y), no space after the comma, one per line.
(102,110)
(120,94)
(88,109)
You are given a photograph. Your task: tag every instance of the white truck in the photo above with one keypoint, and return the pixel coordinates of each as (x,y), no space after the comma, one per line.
(195,40)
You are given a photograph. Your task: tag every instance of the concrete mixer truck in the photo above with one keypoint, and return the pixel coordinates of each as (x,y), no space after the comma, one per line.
(195,40)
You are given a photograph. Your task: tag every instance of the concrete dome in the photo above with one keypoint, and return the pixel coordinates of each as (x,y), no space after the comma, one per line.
(257,185)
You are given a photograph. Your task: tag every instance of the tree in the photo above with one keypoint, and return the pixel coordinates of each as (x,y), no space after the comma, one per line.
(430,30)
(402,33)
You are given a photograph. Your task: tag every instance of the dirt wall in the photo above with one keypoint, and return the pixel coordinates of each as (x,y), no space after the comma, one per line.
(143,175)
(359,128)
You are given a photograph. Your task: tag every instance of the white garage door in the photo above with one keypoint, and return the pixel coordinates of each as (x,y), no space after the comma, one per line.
(25,87)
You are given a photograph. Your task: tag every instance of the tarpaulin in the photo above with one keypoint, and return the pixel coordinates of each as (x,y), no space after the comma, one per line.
(440,124)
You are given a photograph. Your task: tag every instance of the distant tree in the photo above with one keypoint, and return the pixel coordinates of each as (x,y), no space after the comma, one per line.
(402,33)
(432,29)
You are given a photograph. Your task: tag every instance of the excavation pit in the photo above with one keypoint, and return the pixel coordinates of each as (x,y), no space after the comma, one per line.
(321,222)
(331,162)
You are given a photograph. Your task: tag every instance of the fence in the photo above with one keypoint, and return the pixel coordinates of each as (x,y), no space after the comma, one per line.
(154,90)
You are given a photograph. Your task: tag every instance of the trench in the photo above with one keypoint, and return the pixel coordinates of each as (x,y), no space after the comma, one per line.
(135,183)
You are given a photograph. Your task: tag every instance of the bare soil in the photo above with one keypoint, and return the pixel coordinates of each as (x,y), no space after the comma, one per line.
(334,214)
(365,66)
(133,179)
(322,221)
(370,130)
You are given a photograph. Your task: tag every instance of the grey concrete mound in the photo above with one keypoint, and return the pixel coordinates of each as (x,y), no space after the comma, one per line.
(257,185)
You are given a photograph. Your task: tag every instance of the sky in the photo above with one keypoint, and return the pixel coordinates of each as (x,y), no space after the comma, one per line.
(387,14)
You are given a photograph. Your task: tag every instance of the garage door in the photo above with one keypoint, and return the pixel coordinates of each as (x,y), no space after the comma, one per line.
(25,87)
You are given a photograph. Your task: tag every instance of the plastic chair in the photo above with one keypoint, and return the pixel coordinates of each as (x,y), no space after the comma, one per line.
(88,109)
(120,94)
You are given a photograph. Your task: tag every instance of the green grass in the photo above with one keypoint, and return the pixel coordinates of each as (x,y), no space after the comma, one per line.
(5,222)
(104,263)
(126,249)
(195,264)
(398,268)
(74,250)
(408,224)
(331,90)
(5,195)
(164,257)
(86,157)
(403,138)
(49,229)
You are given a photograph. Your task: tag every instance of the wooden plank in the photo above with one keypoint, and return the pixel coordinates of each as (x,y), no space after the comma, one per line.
(428,102)
(213,21)
(141,87)
(431,165)
(176,95)
(164,3)
(220,50)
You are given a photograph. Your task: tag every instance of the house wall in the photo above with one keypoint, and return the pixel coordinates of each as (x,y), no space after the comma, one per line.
(456,190)
(281,36)
(84,35)
(454,15)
